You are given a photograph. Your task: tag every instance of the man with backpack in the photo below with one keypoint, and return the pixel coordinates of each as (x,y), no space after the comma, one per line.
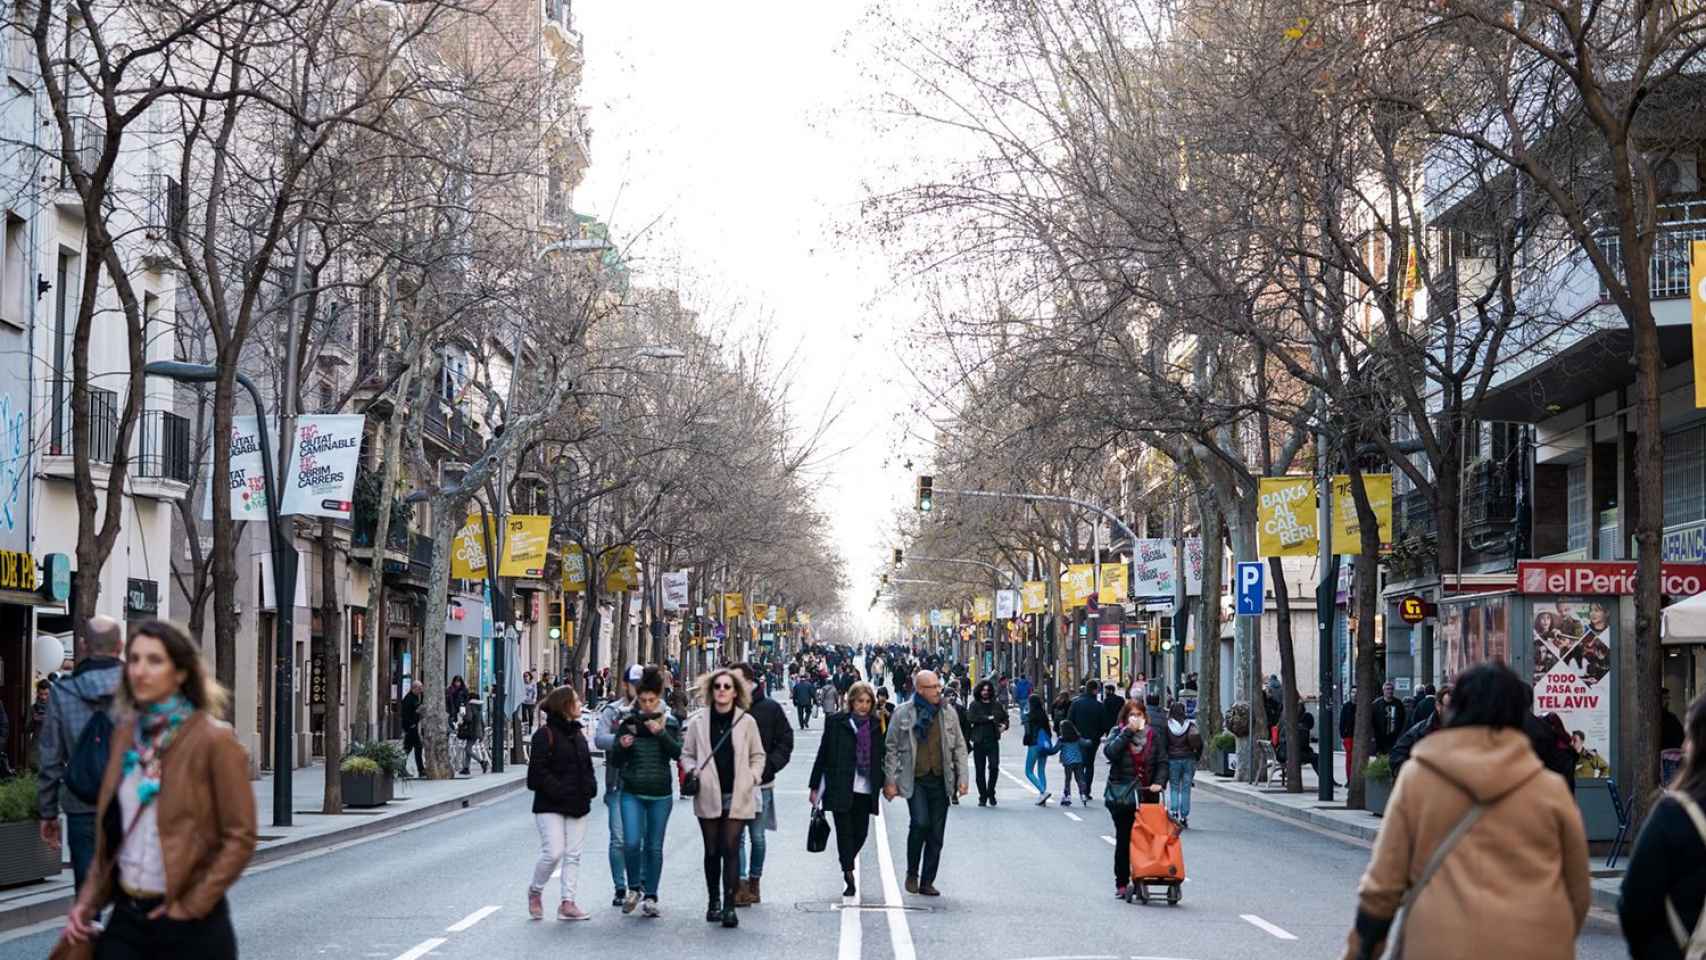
(76,738)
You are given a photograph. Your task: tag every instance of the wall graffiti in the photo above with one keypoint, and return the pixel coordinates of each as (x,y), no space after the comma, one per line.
(14,462)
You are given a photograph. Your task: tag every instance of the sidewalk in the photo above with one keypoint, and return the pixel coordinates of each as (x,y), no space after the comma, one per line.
(310,830)
(1360,826)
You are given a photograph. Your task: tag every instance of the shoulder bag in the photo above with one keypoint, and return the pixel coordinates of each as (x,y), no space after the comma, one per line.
(1395,935)
(690,783)
(1692,945)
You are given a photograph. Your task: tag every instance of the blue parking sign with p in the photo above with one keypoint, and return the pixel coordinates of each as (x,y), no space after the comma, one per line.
(1252,587)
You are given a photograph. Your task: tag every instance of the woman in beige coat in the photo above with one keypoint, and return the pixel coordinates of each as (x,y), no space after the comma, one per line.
(1515,886)
(722,746)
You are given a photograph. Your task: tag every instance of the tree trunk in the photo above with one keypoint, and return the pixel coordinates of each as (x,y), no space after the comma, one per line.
(391,434)
(1208,619)
(1643,689)
(435,738)
(225,534)
(1247,639)
(1367,672)
(331,646)
(1287,719)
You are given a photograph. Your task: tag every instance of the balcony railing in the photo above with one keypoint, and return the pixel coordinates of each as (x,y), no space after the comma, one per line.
(1416,517)
(1667,272)
(88,142)
(1490,494)
(165,450)
(449,428)
(165,204)
(103,421)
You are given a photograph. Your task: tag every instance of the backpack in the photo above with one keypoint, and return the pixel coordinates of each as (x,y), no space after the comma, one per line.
(1692,945)
(87,766)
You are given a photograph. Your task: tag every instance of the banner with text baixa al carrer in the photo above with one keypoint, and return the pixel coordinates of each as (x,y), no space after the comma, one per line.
(1574,669)
(247,477)
(1285,513)
(323,466)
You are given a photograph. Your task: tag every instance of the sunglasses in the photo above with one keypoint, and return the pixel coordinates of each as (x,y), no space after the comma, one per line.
(722,686)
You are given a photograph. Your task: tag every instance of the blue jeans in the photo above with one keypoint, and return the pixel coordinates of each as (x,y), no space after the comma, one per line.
(618,858)
(1036,767)
(80,837)
(755,827)
(643,823)
(1180,773)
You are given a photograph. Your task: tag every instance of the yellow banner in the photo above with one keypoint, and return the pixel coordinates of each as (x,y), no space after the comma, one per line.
(733,604)
(1347,532)
(1077,584)
(981,608)
(574,569)
(1285,515)
(526,535)
(1114,584)
(1033,597)
(782,616)
(1697,304)
(621,569)
(468,551)
(760,611)
(804,618)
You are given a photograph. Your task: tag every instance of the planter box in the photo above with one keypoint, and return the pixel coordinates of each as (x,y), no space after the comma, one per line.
(1375,794)
(390,788)
(1220,762)
(362,789)
(24,856)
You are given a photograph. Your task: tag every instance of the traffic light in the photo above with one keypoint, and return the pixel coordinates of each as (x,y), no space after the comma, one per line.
(885,579)
(555,628)
(926,498)
(899,556)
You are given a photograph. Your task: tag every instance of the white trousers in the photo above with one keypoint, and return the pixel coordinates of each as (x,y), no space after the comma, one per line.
(560,841)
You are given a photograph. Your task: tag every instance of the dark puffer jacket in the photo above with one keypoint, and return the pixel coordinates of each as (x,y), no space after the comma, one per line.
(560,773)
(986,720)
(1122,769)
(648,767)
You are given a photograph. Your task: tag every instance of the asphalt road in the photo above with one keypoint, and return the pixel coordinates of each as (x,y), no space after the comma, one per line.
(1018,881)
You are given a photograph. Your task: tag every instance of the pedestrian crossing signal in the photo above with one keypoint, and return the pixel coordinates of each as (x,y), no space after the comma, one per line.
(926,496)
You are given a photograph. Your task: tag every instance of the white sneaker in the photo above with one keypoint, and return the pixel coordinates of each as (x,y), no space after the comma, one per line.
(649,907)
(631,901)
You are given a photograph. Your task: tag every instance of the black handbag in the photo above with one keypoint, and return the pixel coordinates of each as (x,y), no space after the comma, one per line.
(817,835)
(690,783)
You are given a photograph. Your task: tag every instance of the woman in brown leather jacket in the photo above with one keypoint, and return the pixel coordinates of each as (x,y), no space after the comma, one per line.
(176,815)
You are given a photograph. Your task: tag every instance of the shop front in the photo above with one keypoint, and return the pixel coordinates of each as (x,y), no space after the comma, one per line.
(27,584)
(464,654)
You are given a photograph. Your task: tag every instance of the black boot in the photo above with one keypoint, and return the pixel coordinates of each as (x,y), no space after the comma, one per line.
(714,909)
(847,877)
(730,918)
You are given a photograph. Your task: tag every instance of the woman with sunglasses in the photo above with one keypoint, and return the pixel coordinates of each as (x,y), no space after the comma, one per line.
(722,747)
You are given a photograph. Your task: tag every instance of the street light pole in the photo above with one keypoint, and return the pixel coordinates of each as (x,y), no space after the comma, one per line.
(284,588)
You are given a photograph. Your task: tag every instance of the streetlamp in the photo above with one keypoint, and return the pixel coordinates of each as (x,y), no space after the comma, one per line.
(284,586)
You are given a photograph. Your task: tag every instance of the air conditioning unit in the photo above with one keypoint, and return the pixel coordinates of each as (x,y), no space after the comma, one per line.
(1674,172)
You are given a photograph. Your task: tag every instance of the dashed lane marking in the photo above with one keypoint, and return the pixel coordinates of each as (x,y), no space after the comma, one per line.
(472,919)
(421,949)
(1109,839)
(900,934)
(1023,784)
(852,930)
(1073,816)
(1267,927)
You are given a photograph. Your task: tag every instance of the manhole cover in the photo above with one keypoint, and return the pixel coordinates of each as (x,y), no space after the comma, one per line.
(837,906)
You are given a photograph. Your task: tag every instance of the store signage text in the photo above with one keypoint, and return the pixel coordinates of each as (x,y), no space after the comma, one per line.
(17,570)
(1580,578)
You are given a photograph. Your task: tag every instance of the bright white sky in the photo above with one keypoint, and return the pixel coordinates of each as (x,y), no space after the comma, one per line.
(730,146)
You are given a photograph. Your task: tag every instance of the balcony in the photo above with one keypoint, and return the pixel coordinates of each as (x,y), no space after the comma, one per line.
(1667,272)
(88,142)
(1416,518)
(452,431)
(103,421)
(1489,495)
(164,453)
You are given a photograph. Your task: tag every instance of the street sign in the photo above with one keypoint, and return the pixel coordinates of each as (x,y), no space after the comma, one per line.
(1252,587)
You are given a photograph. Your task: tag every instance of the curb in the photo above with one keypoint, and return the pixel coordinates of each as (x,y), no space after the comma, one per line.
(55,907)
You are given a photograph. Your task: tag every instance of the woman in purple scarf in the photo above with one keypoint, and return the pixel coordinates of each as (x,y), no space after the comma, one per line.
(847,777)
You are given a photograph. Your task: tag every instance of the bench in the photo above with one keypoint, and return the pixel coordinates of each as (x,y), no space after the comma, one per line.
(1269,769)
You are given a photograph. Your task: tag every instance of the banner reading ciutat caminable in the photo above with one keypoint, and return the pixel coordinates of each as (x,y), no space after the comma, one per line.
(322,471)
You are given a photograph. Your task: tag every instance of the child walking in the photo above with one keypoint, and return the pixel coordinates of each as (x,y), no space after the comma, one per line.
(1072,758)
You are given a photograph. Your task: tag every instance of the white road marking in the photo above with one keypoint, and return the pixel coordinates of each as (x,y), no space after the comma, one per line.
(1073,816)
(472,919)
(1109,839)
(421,949)
(1026,784)
(1157,958)
(899,933)
(1265,926)
(852,932)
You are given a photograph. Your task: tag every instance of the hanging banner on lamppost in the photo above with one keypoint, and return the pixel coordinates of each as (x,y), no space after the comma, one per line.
(526,536)
(1033,597)
(1347,531)
(468,550)
(1077,584)
(322,472)
(1285,517)
(1697,316)
(1112,589)
(675,590)
(733,605)
(935,618)
(621,569)
(981,608)
(574,569)
(1153,560)
(248,478)
(1006,604)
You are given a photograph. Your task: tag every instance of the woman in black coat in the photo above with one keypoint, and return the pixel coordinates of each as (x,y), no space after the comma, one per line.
(1137,774)
(561,776)
(1668,868)
(847,777)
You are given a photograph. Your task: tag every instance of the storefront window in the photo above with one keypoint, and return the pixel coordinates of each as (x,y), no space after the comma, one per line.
(1685,476)
(1472,631)
(1577,507)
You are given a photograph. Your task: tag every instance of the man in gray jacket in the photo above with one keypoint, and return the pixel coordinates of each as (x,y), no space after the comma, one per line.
(604,738)
(74,700)
(925,763)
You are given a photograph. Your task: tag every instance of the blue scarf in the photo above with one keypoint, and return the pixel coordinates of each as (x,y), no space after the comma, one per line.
(923,715)
(156,727)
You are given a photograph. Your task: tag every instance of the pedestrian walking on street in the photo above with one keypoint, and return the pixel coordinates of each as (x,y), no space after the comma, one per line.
(72,704)
(1348,729)
(988,721)
(411,717)
(925,762)
(1184,749)
(176,811)
(778,740)
(1073,749)
(647,744)
(724,750)
(529,697)
(1039,746)
(847,775)
(604,739)
(1137,773)
(804,693)
(1090,718)
(1482,845)
(560,774)
(1390,720)
(1664,887)
(455,698)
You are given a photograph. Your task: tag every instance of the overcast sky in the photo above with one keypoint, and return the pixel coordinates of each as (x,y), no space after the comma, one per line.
(730,145)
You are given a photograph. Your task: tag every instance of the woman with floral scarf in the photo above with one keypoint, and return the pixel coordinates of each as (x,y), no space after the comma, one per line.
(847,777)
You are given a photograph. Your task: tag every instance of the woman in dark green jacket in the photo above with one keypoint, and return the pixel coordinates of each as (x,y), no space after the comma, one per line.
(847,776)
(648,741)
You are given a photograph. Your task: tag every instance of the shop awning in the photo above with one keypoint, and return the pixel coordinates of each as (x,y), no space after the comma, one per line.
(1683,622)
